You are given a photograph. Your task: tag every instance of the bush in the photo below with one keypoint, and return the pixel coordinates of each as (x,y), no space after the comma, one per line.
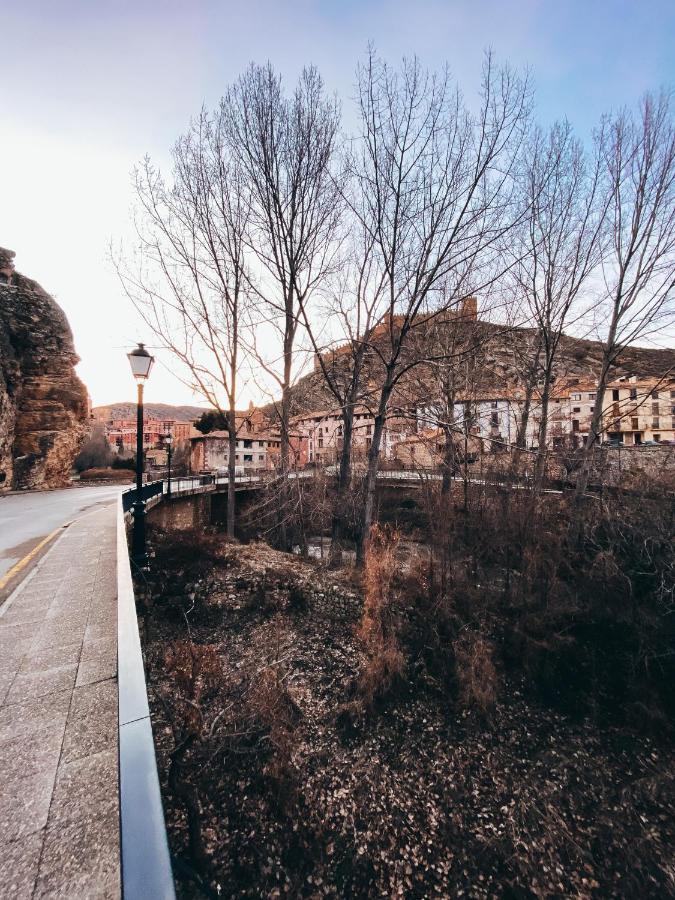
(95,451)
(475,672)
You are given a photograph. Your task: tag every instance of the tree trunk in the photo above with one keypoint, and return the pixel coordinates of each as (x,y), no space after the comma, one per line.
(284,428)
(540,468)
(596,420)
(371,472)
(449,458)
(231,470)
(521,439)
(343,485)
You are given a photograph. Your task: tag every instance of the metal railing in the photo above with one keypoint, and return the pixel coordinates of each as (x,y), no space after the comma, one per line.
(148,491)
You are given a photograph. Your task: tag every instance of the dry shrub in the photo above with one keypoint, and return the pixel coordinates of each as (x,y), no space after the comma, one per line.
(382,670)
(385,662)
(276,714)
(475,672)
(197,672)
(379,570)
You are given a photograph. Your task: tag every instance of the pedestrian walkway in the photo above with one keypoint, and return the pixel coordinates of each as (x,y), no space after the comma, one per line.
(59,816)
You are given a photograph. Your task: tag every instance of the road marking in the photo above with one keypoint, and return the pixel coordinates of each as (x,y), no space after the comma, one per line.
(22,563)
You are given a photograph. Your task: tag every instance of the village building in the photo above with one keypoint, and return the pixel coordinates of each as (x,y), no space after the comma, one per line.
(211,452)
(121,433)
(255,453)
(638,411)
(324,433)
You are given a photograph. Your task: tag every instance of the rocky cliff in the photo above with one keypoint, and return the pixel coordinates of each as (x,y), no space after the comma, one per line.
(43,404)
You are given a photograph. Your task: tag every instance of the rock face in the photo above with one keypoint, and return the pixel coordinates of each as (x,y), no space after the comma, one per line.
(43,404)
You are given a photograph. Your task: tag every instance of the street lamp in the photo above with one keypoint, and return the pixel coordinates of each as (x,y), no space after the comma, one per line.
(167,442)
(141,364)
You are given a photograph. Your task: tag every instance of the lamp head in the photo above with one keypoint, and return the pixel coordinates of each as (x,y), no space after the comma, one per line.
(141,363)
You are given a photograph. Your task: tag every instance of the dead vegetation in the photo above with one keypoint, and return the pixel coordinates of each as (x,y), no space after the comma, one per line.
(488,716)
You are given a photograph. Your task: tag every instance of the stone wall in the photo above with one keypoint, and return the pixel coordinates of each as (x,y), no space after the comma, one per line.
(629,466)
(182,513)
(43,404)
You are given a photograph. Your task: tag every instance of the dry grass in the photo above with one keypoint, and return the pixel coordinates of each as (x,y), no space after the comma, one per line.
(477,679)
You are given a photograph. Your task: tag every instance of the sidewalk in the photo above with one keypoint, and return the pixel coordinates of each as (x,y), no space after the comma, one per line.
(59,817)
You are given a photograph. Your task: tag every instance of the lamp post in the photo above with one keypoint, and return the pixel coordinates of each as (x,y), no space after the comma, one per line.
(168,440)
(141,364)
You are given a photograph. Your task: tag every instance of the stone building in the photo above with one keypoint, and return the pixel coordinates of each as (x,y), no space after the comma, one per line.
(121,433)
(323,431)
(255,452)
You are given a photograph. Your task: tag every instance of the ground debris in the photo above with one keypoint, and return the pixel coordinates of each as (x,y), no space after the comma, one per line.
(419,799)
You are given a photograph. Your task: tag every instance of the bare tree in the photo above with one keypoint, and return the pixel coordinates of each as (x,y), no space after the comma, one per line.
(637,155)
(351,309)
(558,251)
(189,277)
(437,188)
(286,148)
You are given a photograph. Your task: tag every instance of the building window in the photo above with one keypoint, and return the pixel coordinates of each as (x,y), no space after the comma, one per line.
(615,395)
(576,409)
(494,404)
(495,419)
(320,442)
(657,438)
(655,395)
(633,393)
(634,424)
(655,409)
(261,457)
(248,457)
(575,425)
(655,423)
(591,409)
(576,396)
(248,444)
(369,429)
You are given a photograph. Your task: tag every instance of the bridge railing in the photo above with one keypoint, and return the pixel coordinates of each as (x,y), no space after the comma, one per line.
(183,485)
(148,491)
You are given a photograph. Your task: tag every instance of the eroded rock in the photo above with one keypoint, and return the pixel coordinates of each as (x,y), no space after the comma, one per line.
(43,404)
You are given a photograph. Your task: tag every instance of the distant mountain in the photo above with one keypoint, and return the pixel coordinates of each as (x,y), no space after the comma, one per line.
(152,411)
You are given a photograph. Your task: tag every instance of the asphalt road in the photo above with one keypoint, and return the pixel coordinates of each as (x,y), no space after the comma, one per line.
(25,519)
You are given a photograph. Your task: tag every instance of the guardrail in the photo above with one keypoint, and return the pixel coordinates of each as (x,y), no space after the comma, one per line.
(148,491)
(146,862)
(181,485)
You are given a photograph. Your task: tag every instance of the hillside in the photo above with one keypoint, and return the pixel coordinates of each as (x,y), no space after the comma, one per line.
(491,359)
(152,411)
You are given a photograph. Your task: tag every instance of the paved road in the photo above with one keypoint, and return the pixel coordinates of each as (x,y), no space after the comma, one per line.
(25,519)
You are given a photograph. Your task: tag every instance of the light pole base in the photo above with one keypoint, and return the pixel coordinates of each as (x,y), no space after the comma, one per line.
(138,549)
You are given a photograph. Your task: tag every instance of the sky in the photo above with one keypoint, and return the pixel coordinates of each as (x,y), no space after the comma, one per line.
(90,87)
